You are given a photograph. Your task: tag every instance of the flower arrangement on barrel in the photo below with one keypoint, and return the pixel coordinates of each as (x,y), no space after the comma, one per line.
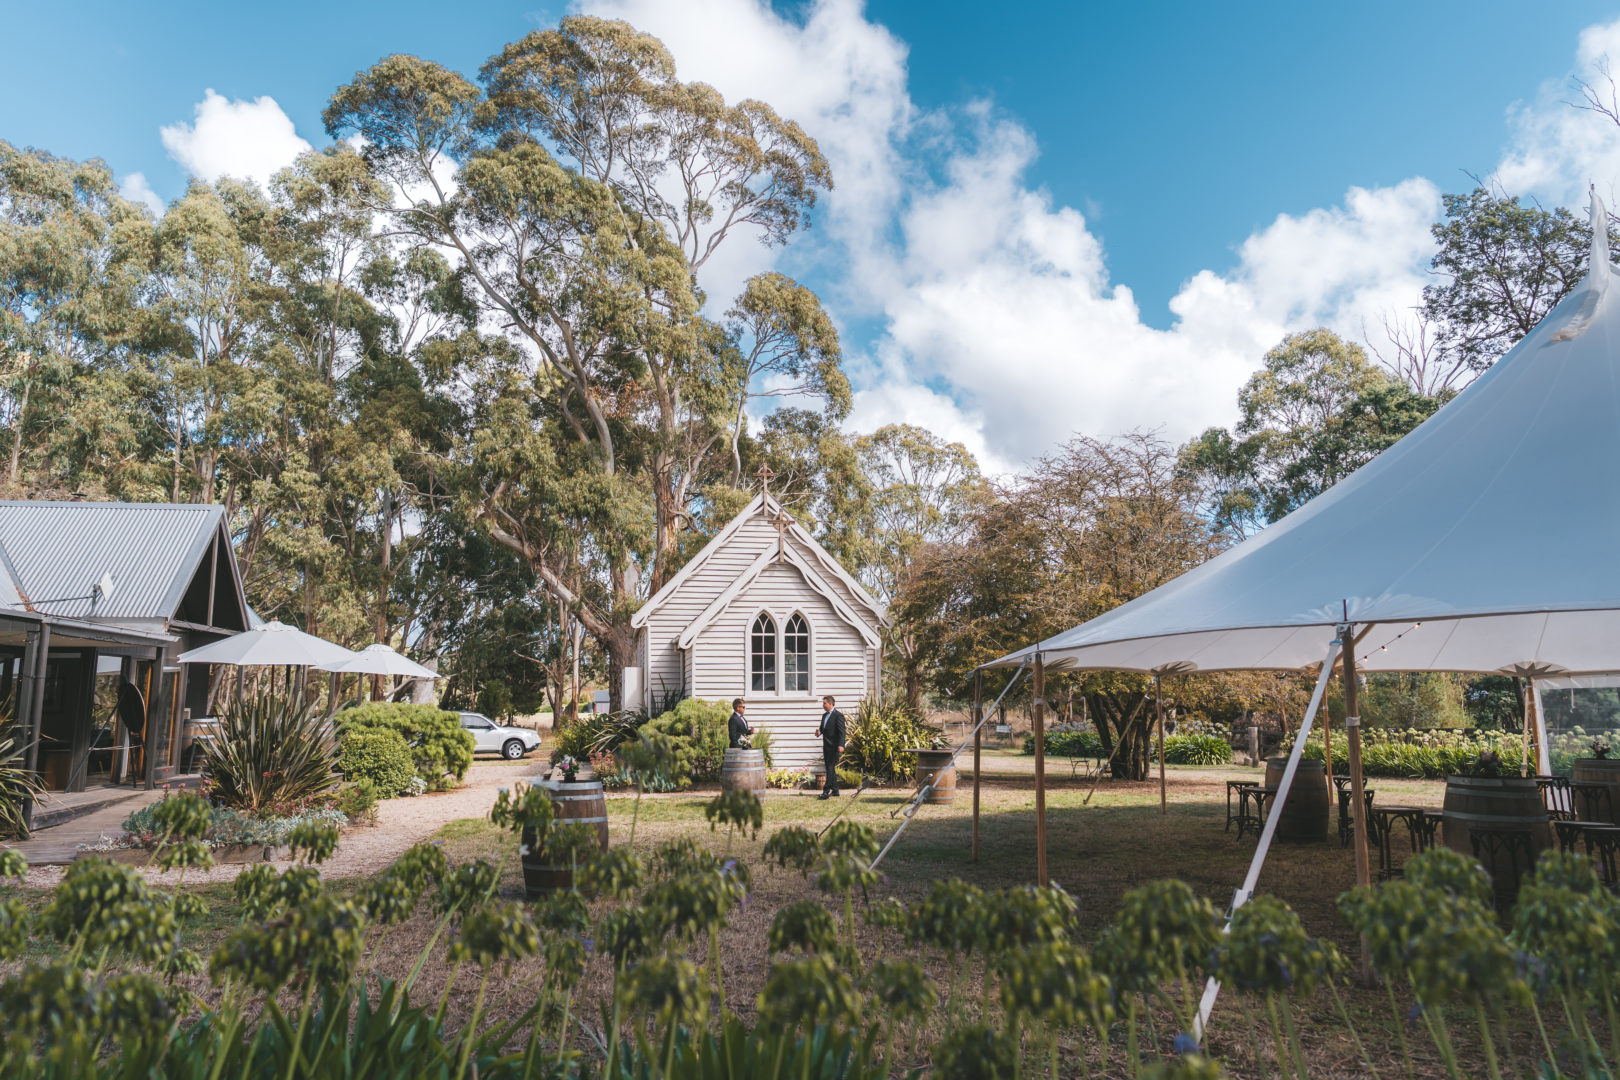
(622,974)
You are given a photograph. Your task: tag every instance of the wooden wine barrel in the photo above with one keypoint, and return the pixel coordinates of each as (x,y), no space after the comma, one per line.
(935,766)
(743,770)
(1604,771)
(1503,804)
(1305,811)
(580,802)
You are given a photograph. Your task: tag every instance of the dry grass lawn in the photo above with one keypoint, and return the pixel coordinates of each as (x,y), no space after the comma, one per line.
(1095,851)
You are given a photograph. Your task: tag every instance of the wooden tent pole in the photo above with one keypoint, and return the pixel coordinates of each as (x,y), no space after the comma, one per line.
(1327,744)
(1158,713)
(978,736)
(1040,770)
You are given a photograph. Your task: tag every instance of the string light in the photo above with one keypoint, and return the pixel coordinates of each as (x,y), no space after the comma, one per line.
(1385,646)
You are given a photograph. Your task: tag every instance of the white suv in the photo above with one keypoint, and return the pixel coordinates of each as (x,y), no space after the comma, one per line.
(491,738)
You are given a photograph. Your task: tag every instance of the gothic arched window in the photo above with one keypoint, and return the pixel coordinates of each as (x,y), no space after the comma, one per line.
(762,654)
(796,655)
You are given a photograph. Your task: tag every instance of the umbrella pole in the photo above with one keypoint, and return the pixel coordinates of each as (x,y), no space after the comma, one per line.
(1158,714)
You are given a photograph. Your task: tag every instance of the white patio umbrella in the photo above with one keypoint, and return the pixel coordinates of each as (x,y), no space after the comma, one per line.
(380,659)
(274,644)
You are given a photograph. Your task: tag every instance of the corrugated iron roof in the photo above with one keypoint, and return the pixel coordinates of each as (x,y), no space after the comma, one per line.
(58,550)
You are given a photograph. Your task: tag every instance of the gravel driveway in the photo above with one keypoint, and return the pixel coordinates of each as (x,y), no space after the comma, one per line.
(400,823)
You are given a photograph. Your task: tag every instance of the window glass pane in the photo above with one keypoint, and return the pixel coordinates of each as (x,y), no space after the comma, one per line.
(762,654)
(796,655)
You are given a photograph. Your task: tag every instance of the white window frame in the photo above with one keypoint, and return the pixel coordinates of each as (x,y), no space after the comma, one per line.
(780,628)
(776,653)
(809,653)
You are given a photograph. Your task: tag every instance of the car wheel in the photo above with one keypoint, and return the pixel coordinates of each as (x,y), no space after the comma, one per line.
(512,750)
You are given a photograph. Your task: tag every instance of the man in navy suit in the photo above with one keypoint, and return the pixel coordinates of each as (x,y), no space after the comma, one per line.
(738,726)
(831,730)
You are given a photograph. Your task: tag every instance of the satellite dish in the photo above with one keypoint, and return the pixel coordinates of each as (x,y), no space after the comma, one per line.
(104,587)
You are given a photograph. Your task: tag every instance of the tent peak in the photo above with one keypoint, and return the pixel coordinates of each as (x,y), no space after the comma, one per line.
(1600,235)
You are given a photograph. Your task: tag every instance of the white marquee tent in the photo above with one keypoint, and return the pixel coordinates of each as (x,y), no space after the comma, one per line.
(1495,525)
(1487,540)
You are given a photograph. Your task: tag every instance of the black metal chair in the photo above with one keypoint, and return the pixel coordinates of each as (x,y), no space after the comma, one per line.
(1591,802)
(1346,821)
(1556,797)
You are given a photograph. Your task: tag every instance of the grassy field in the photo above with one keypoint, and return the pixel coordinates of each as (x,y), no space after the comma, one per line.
(1096,851)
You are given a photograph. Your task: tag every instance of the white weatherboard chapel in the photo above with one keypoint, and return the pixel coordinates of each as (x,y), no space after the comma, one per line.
(765,614)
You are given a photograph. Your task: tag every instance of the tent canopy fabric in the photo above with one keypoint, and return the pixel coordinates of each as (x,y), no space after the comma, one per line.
(272,645)
(380,659)
(1486,540)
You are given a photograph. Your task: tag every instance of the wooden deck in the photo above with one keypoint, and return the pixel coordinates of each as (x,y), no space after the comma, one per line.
(58,844)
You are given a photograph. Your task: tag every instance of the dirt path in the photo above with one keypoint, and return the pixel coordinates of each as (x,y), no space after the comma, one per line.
(363,851)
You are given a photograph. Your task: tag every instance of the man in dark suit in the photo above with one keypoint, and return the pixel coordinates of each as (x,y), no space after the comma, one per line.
(738,725)
(831,730)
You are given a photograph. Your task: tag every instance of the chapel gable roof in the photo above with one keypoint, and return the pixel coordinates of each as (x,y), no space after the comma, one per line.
(819,568)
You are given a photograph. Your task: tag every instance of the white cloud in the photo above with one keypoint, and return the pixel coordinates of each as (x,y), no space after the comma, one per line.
(135,188)
(242,139)
(1558,149)
(1001,325)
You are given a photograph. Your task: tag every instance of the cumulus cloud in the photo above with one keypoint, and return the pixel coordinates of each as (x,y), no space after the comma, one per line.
(241,139)
(1000,326)
(135,188)
(1557,148)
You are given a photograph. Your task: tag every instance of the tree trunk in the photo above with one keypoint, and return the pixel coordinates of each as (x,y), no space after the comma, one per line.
(17,432)
(382,585)
(1118,718)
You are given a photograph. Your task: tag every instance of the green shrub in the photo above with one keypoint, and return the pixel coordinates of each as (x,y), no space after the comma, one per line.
(358,802)
(17,784)
(848,779)
(441,749)
(593,734)
(1197,750)
(880,734)
(1417,754)
(378,756)
(1068,740)
(698,740)
(230,828)
(270,753)
(761,741)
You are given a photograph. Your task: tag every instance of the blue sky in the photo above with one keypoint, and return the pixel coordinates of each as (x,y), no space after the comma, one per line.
(1019,164)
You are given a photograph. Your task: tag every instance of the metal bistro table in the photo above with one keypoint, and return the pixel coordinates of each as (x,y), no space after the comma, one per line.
(1236,787)
(1421,826)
